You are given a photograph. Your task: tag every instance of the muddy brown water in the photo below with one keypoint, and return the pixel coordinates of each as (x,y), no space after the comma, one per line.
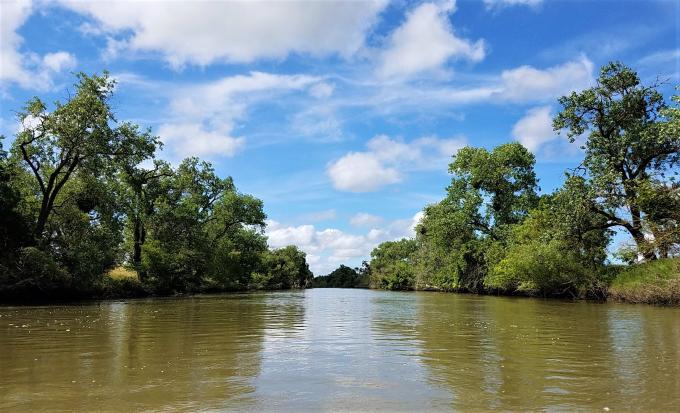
(339,350)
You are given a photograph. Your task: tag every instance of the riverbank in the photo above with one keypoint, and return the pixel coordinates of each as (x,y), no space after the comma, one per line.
(655,282)
(117,284)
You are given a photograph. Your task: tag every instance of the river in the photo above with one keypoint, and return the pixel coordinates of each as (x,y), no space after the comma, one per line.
(339,350)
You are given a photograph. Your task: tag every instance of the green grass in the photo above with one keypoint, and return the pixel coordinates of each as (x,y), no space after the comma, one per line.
(655,282)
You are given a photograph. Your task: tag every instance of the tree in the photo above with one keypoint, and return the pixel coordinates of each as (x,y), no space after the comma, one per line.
(489,192)
(196,211)
(76,135)
(284,268)
(139,190)
(14,227)
(628,144)
(341,277)
(558,249)
(392,265)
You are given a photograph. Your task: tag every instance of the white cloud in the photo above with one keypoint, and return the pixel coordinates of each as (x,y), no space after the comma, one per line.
(204,32)
(363,219)
(495,4)
(204,116)
(527,83)
(361,172)
(328,248)
(385,160)
(426,41)
(59,61)
(27,69)
(534,129)
(191,139)
(431,98)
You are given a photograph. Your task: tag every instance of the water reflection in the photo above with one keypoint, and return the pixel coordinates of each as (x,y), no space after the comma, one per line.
(186,353)
(353,350)
(520,354)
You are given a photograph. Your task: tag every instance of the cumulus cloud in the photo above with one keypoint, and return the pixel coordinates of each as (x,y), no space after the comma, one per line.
(204,32)
(361,172)
(328,248)
(27,69)
(386,159)
(534,129)
(204,116)
(426,41)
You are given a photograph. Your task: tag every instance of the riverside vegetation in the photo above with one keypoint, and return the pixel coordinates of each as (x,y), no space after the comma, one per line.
(80,215)
(494,233)
(87,211)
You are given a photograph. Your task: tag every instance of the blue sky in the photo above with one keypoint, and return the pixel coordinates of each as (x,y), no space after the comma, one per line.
(341,116)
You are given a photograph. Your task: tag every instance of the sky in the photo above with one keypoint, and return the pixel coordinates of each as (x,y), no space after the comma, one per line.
(341,116)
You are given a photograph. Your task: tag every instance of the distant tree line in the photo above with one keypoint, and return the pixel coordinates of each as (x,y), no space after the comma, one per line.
(494,232)
(344,277)
(82,194)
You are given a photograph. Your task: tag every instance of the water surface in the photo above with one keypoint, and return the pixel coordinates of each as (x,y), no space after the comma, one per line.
(339,350)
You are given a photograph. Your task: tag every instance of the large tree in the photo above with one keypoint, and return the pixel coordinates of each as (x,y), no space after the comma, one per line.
(498,186)
(627,147)
(77,135)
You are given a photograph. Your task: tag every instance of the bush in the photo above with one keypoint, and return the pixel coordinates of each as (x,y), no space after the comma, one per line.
(541,268)
(171,271)
(36,275)
(123,287)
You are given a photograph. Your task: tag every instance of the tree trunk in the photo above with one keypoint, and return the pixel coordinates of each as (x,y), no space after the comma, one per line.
(645,252)
(645,249)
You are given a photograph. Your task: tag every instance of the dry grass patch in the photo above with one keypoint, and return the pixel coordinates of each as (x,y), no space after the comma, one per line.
(122,273)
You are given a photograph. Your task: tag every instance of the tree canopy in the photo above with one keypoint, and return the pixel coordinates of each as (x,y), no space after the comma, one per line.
(82,194)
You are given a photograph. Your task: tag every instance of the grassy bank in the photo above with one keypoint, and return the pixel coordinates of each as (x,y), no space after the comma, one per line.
(655,282)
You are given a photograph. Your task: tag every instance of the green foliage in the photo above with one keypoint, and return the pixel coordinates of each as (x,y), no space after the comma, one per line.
(34,272)
(342,277)
(549,255)
(489,192)
(538,267)
(14,226)
(284,268)
(235,258)
(197,232)
(392,265)
(75,202)
(630,147)
(498,188)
